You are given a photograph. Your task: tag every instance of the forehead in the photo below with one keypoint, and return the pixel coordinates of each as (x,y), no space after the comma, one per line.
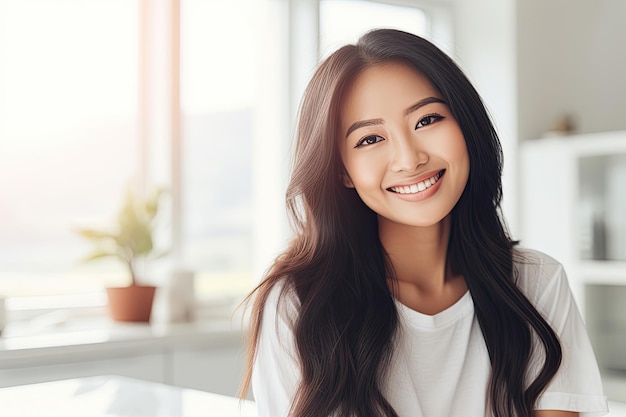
(384,88)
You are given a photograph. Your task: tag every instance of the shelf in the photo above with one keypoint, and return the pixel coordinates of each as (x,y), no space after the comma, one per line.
(615,387)
(582,145)
(602,272)
(101,338)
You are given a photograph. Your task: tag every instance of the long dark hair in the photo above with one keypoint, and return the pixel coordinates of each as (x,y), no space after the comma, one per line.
(337,267)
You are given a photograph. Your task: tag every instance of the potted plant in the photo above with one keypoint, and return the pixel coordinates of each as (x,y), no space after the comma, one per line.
(130,241)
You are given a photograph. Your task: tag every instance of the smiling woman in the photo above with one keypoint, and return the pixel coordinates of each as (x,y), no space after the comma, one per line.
(402,293)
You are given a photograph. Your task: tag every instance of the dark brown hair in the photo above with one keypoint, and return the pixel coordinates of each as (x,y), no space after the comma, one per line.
(337,268)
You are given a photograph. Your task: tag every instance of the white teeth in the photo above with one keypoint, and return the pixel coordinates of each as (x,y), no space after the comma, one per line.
(416,188)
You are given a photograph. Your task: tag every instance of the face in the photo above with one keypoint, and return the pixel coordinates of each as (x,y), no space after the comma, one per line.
(402,150)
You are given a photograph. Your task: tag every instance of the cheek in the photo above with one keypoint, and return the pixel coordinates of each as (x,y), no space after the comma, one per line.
(364,174)
(456,147)
(462,161)
(460,154)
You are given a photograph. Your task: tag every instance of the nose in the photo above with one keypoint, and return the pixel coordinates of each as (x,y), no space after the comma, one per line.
(407,154)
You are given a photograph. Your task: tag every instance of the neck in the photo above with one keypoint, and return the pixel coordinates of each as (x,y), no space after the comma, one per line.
(418,255)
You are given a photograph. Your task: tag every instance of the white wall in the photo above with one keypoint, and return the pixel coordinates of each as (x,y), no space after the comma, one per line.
(571,59)
(485,49)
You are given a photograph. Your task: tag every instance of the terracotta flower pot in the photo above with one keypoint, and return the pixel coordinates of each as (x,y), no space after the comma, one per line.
(132,303)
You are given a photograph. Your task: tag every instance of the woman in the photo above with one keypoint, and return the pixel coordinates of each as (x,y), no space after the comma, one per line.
(401,293)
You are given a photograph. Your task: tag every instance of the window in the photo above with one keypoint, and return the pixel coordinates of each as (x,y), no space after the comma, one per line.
(68,111)
(227,70)
(90,93)
(343,21)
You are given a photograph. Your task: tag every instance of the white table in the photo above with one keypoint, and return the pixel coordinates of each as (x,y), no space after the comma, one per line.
(114,396)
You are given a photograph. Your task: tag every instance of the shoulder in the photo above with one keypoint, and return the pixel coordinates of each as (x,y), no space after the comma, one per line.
(282,302)
(526,257)
(536,272)
(279,313)
(276,368)
(577,385)
(276,342)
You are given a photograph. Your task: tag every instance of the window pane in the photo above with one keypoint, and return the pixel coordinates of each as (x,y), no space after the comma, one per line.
(218,76)
(68,137)
(344,21)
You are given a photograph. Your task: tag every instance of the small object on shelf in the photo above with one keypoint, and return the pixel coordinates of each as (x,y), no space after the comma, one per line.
(563,126)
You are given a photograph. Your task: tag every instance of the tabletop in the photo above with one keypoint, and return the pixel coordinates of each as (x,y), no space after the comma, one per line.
(115,396)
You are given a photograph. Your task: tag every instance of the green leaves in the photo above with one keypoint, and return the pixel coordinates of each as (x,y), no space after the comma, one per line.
(132,235)
(95,234)
(98,254)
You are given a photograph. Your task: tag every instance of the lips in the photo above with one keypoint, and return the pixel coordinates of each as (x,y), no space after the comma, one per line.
(418,186)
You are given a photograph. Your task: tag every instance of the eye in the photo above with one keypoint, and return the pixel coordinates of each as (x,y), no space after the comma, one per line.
(428,120)
(369,140)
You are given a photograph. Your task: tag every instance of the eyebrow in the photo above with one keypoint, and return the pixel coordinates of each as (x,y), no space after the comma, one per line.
(423,102)
(373,122)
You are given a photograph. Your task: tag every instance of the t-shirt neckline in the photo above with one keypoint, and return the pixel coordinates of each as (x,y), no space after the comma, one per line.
(461,308)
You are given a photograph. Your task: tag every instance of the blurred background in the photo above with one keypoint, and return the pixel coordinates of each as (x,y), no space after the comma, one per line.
(200,97)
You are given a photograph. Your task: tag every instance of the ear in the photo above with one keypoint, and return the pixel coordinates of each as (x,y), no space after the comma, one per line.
(347,182)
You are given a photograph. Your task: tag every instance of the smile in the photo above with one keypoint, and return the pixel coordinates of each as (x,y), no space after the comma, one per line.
(419,187)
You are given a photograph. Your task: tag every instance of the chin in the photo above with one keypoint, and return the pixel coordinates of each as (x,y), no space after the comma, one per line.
(422,221)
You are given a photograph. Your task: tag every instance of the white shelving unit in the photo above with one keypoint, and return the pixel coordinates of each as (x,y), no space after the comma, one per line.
(549,209)
(549,197)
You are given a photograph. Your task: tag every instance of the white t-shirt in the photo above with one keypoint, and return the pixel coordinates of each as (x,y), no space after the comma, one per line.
(441,365)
